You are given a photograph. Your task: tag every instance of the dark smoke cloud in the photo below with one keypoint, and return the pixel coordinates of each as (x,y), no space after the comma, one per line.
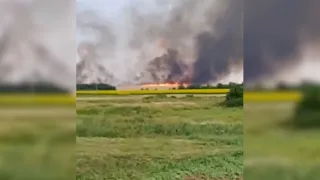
(167,68)
(215,54)
(275,32)
(217,42)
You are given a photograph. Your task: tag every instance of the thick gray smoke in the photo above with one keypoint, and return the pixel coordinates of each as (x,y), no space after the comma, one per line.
(167,68)
(276,33)
(88,69)
(91,50)
(37,44)
(182,40)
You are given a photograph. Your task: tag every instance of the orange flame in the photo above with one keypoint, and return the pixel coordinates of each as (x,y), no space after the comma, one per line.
(165,85)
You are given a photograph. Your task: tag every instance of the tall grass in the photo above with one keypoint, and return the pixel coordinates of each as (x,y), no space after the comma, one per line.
(158,137)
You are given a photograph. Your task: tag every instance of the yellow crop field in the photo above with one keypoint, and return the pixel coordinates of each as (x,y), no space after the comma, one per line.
(272,96)
(36,99)
(147,92)
(67,99)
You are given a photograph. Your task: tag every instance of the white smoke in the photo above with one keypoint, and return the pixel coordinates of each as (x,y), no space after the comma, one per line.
(37,42)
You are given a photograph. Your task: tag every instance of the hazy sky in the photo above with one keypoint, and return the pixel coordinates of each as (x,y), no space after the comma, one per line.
(112,10)
(106,8)
(109,9)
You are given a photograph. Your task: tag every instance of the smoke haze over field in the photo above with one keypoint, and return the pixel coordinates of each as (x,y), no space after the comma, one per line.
(281,37)
(37,44)
(162,41)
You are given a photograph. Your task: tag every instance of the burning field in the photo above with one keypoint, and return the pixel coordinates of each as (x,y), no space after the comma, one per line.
(185,41)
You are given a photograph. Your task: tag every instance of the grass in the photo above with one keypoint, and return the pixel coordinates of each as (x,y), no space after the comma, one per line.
(158,137)
(274,150)
(36,145)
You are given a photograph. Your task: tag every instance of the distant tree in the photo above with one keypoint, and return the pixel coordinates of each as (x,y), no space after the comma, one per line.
(220,85)
(282,86)
(208,86)
(95,87)
(194,86)
(181,86)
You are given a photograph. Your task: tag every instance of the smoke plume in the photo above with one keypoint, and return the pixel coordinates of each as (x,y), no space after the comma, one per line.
(276,32)
(216,54)
(182,40)
(166,68)
(35,46)
(90,51)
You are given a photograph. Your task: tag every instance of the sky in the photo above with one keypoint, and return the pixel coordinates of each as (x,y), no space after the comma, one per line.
(107,8)
(101,7)
(111,10)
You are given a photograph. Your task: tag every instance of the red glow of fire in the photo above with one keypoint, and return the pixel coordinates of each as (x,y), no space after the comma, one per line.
(165,85)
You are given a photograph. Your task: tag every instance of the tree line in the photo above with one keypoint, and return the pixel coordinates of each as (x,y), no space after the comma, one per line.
(208,86)
(95,87)
(31,88)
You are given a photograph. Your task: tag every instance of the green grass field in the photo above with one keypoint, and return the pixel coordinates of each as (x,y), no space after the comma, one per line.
(273,150)
(37,143)
(158,138)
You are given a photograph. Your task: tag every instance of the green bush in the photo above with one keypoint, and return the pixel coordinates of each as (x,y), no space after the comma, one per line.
(181,87)
(235,96)
(237,102)
(307,113)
